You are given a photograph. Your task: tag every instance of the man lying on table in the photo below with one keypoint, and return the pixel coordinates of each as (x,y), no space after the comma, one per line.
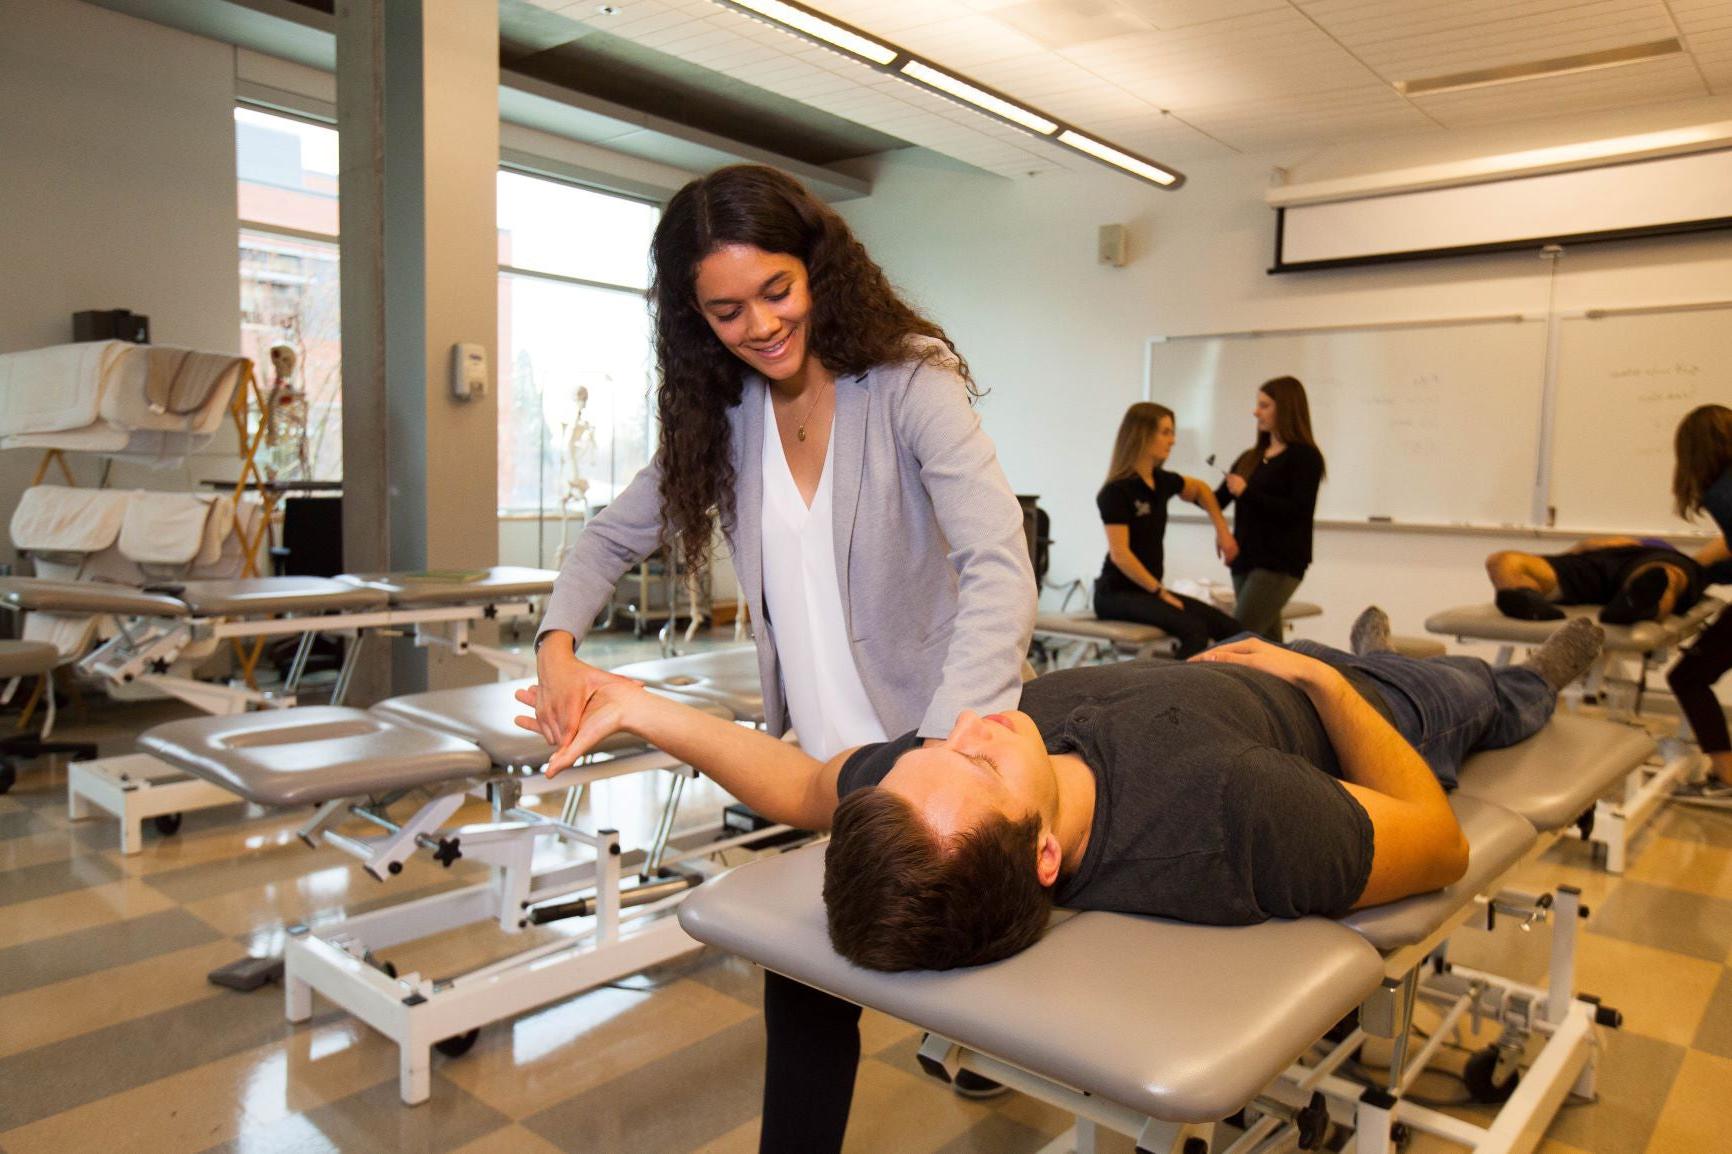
(1255,781)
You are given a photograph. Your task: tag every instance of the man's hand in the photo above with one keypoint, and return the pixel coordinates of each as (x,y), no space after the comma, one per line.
(1235,484)
(1307,673)
(562,698)
(1226,548)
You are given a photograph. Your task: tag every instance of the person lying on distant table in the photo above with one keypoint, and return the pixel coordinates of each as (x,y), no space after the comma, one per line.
(1632,578)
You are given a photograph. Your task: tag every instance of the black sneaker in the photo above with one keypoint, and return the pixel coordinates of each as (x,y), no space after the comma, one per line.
(971,1085)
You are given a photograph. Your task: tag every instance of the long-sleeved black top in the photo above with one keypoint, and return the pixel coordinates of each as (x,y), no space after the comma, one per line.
(1276,511)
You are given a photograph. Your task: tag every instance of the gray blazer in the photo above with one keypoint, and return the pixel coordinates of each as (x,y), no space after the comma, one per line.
(937,586)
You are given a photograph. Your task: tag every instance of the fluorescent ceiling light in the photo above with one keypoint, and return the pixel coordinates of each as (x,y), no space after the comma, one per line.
(819,28)
(1538,69)
(1107,154)
(979,97)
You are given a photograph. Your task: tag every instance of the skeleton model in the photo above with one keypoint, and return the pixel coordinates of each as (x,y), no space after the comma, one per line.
(576,439)
(285,421)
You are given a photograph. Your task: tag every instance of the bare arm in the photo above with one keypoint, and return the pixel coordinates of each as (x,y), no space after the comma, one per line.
(774,777)
(1418,843)
(1714,552)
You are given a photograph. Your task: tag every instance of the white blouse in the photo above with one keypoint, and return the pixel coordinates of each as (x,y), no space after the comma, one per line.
(827,704)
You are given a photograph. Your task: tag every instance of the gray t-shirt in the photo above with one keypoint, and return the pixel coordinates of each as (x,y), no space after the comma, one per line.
(1217,797)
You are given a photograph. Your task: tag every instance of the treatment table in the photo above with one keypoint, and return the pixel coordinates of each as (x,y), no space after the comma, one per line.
(1614,820)
(1162,1030)
(1108,640)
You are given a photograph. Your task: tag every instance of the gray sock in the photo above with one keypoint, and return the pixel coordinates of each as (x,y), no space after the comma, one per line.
(1568,653)
(1370,632)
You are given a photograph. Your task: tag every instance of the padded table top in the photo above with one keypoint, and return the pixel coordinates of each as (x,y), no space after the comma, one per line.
(1085,624)
(1554,776)
(458,586)
(1485,623)
(484,715)
(728,677)
(27,658)
(42,595)
(1186,1023)
(312,754)
(272,596)
(1496,840)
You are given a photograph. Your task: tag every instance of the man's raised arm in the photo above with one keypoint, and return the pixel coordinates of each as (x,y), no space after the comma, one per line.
(776,778)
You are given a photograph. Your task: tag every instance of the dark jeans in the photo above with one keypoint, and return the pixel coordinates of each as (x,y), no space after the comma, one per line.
(1692,681)
(1193,626)
(1448,707)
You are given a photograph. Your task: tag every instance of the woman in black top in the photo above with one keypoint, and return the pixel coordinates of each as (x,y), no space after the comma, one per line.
(1275,482)
(1133,506)
(1702,483)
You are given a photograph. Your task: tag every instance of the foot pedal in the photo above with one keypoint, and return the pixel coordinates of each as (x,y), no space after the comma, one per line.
(740,818)
(248,974)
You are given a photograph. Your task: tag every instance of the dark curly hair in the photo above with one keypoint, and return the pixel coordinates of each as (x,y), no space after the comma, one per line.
(857,321)
(899,897)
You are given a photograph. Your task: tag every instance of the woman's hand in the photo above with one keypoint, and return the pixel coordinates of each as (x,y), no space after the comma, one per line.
(1235,484)
(1170,599)
(565,692)
(1226,548)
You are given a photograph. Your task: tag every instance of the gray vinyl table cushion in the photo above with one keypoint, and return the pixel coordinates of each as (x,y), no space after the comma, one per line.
(458,586)
(1183,1022)
(484,714)
(1485,623)
(27,658)
(728,677)
(273,596)
(41,595)
(1553,777)
(1496,840)
(312,754)
(1086,624)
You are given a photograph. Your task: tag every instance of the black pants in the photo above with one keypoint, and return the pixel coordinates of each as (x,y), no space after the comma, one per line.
(813,1053)
(1193,627)
(1693,678)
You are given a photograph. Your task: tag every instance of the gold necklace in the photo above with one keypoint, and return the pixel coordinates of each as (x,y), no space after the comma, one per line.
(800,431)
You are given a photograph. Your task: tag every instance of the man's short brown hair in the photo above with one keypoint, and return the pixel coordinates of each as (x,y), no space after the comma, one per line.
(900,897)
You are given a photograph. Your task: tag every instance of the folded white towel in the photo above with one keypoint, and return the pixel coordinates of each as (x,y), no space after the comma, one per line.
(61,388)
(186,402)
(56,519)
(165,528)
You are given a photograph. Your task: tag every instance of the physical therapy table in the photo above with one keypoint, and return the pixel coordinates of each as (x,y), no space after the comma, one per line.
(1614,820)
(1161,1030)
(1128,639)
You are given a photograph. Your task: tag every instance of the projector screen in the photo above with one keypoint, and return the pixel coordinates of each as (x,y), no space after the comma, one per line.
(1644,198)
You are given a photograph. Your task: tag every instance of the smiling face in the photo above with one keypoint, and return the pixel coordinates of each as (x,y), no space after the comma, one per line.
(986,767)
(759,305)
(1264,412)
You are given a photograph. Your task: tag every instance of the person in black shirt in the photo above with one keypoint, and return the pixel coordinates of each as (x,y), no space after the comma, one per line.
(1632,579)
(1133,507)
(1275,483)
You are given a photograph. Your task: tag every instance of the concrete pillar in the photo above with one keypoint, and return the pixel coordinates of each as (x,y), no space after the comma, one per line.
(418,114)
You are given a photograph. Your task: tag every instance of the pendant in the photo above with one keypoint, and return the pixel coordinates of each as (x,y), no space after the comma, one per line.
(801,433)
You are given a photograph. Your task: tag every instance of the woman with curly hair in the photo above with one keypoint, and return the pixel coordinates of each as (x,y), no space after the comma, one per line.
(825,426)
(1702,483)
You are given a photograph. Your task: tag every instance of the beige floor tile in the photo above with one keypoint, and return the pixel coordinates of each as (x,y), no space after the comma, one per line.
(742,1139)
(511,1140)
(1662,994)
(33,849)
(77,1006)
(1685,865)
(1694,1118)
(553,1054)
(325,890)
(78,910)
(211,1104)
(879,1032)
(1551,1147)
(907,1113)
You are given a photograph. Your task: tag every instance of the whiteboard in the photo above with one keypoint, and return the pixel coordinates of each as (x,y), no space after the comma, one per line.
(1435,423)
(1625,379)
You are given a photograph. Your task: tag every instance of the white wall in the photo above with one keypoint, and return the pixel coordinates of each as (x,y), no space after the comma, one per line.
(1009,268)
(117,190)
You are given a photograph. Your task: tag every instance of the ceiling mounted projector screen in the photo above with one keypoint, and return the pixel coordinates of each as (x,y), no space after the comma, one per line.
(1673,194)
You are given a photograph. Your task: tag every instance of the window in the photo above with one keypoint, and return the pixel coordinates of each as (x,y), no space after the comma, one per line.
(575,420)
(575,417)
(287,187)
